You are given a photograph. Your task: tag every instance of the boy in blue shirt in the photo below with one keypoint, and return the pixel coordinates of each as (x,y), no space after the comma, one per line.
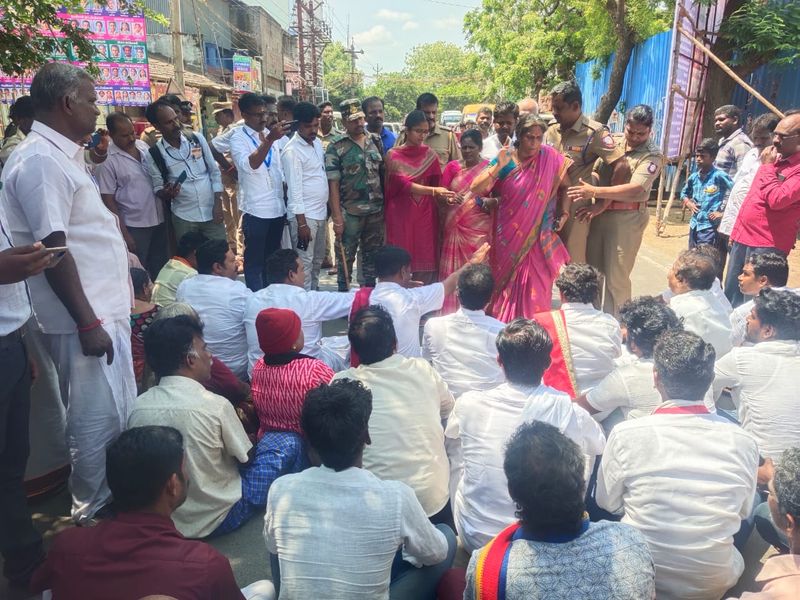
(703,193)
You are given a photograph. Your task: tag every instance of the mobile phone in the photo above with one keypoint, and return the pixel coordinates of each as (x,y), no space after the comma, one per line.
(479,201)
(301,245)
(181,178)
(96,137)
(57,253)
(291,123)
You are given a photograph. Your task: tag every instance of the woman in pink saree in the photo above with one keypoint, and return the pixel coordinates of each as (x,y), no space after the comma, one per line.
(465,224)
(530,181)
(412,188)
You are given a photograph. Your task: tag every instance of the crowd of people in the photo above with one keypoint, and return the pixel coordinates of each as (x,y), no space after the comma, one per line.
(614,447)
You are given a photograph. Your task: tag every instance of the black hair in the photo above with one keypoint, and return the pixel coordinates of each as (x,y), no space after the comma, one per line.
(367,101)
(579,282)
(730,110)
(335,419)
(140,462)
(269,99)
(389,260)
(641,114)
(22,108)
(474,136)
(279,264)
(152,110)
(786,481)
(139,278)
(766,122)
(414,118)
(211,253)
(684,364)
(172,99)
(372,335)
(190,242)
(323,105)
(506,107)
(305,112)
(544,469)
(781,310)
(771,265)
(646,318)
(696,271)
(248,101)
(707,146)
(486,110)
(569,91)
(475,286)
(167,343)
(426,99)
(226,111)
(286,103)
(524,349)
(115,118)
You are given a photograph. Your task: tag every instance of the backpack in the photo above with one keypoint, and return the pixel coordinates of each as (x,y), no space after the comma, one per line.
(161,164)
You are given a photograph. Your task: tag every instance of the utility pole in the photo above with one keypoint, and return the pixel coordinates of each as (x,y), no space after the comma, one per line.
(353,52)
(177,41)
(377,70)
(313,34)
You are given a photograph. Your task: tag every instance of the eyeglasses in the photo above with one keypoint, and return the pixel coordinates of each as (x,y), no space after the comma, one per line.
(785,136)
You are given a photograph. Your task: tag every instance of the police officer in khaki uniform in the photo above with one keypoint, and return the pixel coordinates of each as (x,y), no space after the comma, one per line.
(441,139)
(619,216)
(583,140)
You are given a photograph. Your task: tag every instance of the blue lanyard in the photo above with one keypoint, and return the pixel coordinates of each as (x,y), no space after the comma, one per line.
(268,160)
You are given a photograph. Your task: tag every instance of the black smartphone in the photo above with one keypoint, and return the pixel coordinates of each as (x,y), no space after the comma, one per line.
(181,178)
(301,245)
(479,201)
(96,137)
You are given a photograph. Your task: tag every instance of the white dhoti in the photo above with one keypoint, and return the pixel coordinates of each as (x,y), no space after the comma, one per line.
(99,398)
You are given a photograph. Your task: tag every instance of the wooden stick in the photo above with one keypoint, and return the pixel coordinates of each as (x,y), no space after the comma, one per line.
(730,72)
(343,258)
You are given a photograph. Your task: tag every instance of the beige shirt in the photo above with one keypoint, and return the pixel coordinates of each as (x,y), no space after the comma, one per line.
(583,143)
(645,163)
(780,577)
(409,402)
(442,140)
(215,443)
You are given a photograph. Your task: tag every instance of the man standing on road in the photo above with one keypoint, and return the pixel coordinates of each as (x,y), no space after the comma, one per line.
(506,115)
(441,139)
(372,107)
(326,129)
(354,166)
(223,113)
(83,303)
(583,141)
(528,106)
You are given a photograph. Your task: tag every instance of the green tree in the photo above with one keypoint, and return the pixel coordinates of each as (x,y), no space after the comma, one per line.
(341,81)
(30,30)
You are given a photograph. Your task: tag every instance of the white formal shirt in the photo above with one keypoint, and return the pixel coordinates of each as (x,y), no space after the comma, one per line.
(407,305)
(13,296)
(716,290)
(220,302)
(685,481)
(313,308)
(595,341)
(704,315)
(763,379)
(222,142)
(336,533)
(47,188)
(409,403)
(741,185)
(461,347)
(260,190)
(479,428)
(739,319)
(304,170)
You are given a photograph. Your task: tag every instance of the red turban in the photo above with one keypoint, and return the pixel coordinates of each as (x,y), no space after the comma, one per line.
(277,329)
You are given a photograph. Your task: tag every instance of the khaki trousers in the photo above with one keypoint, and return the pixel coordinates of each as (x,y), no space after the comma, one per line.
(575,233)
(231,215)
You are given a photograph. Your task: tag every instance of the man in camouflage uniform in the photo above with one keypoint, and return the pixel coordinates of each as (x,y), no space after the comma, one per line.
(354,165)
(441,139)
(583,141)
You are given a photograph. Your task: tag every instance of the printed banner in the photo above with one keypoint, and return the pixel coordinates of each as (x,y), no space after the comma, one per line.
(241,73)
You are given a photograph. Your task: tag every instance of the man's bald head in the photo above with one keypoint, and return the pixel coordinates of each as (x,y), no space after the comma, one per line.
(786,137)
(528,106)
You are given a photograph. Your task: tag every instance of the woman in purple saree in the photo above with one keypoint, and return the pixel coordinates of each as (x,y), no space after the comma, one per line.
(530,182)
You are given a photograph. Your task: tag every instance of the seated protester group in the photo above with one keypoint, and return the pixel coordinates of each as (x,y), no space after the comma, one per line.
(139,553)
(586,341)
(762,270)
(461,346)
(285,274)
(181,266)
(410,403)
(283,376)
(553,551)
(690,280)
(340,531)
(230,477)
(406,300)
(683,476)
(763,377)
(483,421)
(630,387)
(711,253)
(220,301)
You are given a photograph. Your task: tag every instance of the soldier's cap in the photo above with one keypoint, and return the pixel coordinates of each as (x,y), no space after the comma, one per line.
(351,109)
(218,107)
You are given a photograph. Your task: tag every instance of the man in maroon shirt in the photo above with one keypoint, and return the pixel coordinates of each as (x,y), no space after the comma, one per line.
(770,215)
(139,552)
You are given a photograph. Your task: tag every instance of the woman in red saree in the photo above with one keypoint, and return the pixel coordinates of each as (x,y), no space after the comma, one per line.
(526,253)
(413,175)
(465,224)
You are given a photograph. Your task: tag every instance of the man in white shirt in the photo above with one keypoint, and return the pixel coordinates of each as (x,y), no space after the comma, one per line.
(411,402)
(406,300)
(682,476)
(763,377)
(336,528)
(690,280)
(760,271)
(482,422)
(220,301)
(229,478)
(285,279)
(461,346)
(83,303)
(506,115)
(307,191)
(258,162)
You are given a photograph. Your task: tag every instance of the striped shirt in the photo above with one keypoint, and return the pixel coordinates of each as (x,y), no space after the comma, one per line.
(731,152)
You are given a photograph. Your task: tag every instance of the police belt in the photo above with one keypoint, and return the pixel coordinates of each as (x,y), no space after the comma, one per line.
(615,205)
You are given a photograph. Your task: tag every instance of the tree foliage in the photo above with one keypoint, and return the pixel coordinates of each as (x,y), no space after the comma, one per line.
(341,81)
(31,33)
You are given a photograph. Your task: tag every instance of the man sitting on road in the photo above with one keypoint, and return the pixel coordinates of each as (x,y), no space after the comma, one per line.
(181,266)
